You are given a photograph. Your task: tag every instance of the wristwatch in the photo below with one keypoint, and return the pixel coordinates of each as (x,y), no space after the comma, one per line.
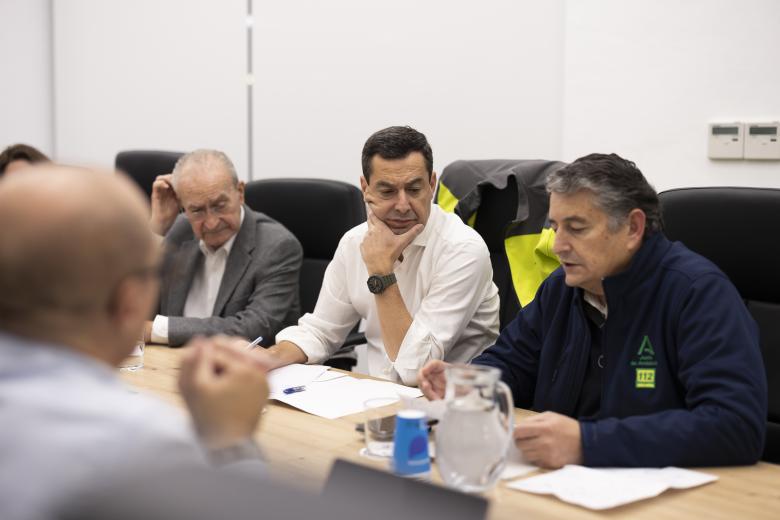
(378,283)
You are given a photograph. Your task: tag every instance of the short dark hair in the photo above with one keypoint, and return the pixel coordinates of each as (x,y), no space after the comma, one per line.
(20,152)
(617,184)
(396,142)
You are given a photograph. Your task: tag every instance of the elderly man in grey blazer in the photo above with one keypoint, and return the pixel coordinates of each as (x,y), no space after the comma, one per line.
(228,269)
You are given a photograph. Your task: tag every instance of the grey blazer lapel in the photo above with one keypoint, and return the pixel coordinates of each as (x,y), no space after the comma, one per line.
(238,261)
(190,257)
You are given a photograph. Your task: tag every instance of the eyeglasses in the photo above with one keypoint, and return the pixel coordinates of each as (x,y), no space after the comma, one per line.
(219,208)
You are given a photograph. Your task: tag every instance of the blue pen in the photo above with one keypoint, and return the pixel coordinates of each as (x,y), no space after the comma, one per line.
(293,390)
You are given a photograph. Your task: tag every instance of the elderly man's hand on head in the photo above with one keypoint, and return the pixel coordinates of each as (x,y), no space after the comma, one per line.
(432,379)
(225,389)
(549,440)
(165,204)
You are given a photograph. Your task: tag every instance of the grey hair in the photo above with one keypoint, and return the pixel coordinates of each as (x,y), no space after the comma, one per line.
(204,158)
(617,184)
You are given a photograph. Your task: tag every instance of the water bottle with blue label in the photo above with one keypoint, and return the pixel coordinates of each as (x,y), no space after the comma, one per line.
(410,450)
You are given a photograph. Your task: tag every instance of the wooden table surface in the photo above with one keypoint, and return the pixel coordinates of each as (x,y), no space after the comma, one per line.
(301,447)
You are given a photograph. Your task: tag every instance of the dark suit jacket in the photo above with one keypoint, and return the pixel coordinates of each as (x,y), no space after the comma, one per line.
(258,295)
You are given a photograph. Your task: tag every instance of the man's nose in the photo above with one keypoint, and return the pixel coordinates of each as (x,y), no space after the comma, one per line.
(211,221)
(560,244)
(402,203)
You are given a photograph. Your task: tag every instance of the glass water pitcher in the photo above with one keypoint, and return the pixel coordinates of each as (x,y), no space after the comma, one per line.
(474,436)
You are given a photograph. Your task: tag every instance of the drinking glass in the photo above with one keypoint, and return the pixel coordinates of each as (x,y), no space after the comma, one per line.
(379,427)
(136,358)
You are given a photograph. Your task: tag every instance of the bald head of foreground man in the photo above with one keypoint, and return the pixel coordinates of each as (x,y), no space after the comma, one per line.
(78,276)
(78,263)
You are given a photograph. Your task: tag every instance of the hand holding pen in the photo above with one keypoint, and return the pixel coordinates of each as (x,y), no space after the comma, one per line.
(255,343)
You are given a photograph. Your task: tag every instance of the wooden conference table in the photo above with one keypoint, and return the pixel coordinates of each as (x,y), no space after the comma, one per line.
(301,448)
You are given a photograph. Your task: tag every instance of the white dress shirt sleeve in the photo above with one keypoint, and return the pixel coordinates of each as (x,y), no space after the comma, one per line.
(463,275)
(160,330)
(320,333)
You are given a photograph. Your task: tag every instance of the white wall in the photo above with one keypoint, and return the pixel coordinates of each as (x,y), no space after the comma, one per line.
(25,62)
(149,74)
(525,78)
(642,78)
(480,79)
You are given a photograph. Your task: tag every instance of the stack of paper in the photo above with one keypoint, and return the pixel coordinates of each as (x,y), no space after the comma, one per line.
(611,487)
(330,394)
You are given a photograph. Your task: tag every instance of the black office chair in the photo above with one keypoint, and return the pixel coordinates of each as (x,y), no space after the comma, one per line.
(737,228)
(143,166)
(318,212)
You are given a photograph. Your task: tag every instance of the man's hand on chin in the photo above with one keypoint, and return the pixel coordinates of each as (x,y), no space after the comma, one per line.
(381,247)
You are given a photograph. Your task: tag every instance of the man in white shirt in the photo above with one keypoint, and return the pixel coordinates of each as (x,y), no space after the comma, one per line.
(78,276)
(420,278)
(228,269)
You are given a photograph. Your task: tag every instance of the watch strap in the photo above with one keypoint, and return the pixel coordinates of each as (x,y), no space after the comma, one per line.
(387,280)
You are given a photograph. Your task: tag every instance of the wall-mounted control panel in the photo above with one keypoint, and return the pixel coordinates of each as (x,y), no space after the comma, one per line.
(726,141)
(761,141)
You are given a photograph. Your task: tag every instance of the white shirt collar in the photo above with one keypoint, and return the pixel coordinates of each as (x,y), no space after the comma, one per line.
(594,301)
(433,219)
(227,246)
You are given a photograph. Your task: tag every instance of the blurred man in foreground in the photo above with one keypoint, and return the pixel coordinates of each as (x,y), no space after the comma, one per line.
(78,276)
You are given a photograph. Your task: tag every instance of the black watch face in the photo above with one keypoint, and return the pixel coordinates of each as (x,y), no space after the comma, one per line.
(375,284)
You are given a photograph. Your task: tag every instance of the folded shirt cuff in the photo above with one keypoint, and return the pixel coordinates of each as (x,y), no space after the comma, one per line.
(160,329)
(294,334)
(417,348)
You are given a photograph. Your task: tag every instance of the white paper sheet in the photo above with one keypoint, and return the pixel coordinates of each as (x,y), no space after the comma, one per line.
(342,396)
(329,375)
(610,487)
(293,375)
(516,465)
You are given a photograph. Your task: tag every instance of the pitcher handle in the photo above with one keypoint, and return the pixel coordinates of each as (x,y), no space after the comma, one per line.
(506,407)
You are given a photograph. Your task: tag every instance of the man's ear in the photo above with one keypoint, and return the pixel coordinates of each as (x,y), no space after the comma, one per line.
(118,304)
(433,181)
(636,227)
(363,184)
(241,186)
(127,306)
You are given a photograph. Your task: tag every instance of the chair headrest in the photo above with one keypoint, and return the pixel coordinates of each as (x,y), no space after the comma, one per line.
(317,211)
(143,166)
(736,228)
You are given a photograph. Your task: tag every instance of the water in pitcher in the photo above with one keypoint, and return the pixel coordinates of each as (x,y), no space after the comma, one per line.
(471,448)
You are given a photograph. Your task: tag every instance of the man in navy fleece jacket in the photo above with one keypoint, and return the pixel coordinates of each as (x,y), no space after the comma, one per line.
(638,351)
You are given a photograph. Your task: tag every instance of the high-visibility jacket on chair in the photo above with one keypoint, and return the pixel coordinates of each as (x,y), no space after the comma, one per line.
(473,189)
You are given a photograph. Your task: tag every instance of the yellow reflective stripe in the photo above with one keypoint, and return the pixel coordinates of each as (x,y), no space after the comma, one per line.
(531,260)
(472,219)
(445,199)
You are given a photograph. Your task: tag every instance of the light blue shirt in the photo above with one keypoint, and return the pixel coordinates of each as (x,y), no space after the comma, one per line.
(67,423)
